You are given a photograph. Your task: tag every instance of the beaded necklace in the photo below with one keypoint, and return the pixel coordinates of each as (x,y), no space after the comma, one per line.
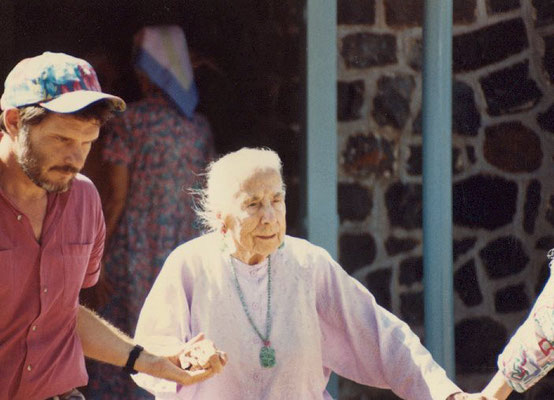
(267,353)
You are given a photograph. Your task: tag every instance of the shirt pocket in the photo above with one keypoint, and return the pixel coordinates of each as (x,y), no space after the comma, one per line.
(6,271)
(75,260)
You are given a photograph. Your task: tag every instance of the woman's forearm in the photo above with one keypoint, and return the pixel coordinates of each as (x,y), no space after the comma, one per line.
(497,387)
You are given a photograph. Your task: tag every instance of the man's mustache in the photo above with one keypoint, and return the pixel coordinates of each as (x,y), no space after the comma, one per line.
(66,168)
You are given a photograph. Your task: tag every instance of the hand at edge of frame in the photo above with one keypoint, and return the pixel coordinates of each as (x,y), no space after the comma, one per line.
(469,396)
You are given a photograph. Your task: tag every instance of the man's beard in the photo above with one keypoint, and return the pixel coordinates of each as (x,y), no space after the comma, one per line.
(30,160)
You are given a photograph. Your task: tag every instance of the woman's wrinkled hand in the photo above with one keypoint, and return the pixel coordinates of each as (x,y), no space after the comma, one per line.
(200,353)
(179,368)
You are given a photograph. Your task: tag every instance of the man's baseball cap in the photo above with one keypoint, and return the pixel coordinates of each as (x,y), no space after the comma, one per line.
(56,81)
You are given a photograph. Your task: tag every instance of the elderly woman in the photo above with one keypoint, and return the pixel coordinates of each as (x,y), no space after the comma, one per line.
(284,311)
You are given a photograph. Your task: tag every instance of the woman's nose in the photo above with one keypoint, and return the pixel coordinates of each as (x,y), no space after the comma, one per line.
(268,213)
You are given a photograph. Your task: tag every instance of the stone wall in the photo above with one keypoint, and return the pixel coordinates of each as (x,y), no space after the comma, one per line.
(503,195)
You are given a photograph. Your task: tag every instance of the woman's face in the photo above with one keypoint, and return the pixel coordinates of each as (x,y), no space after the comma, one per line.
(257,218)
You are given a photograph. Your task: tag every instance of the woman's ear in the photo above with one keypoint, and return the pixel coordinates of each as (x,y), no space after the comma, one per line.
(227,222)
(223,227)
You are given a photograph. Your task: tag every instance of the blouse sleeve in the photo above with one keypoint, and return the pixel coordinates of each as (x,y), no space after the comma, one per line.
(94,266)
(529,354)
(367,344)
(163,327)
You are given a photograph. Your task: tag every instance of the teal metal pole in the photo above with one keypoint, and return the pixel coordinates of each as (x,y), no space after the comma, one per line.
(321,123)
(437,182)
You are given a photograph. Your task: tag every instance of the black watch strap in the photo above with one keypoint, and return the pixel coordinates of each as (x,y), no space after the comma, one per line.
(133,355)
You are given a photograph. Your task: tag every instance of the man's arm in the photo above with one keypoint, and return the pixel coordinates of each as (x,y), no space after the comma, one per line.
(103,342)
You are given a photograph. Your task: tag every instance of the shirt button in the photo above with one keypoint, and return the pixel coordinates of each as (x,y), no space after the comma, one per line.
(19,217)
(34,328)
(45,290)
(29,367)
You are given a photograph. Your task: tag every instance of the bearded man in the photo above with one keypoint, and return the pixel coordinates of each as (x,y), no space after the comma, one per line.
(52,234)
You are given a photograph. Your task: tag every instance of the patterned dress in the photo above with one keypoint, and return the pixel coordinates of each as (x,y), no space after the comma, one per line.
(164,153)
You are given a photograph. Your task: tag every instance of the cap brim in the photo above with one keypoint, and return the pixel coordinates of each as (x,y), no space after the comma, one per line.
(74,101)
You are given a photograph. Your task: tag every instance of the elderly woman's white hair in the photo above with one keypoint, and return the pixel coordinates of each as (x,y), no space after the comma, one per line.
(224,178)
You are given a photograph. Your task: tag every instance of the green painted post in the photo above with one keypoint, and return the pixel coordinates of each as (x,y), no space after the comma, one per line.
(437,182)
(321,122)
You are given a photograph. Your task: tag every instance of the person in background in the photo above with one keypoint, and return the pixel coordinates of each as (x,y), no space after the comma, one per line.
(529,355)
(109,75)
(153,154)
(286,313)
(52,237)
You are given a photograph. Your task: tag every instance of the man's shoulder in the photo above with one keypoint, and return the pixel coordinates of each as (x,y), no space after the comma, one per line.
(82,188)
(82,180)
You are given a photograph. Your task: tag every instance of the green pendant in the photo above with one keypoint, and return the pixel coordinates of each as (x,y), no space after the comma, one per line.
(267,357)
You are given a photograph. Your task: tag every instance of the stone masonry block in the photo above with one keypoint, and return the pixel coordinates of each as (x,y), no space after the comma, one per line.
(350,99)
(466,120)
(500,6)
(367,154)
(411,271)
(378,283)
(512,147)
(411,308)
(466,284)
(401,13)
(510,90)
(476,202)
(365,50)
(546,119)
(544,12)
(391,105)
(354,202)
(464,11)
(511,299)
(503,257)
(548,59)
(545,243)
(395,245)
(488,45)
(354,12)
(356,251)
(404,205)
(531,207)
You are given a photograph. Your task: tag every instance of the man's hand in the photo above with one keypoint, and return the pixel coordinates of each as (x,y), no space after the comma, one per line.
(200,353)
(468,396)
(179,368)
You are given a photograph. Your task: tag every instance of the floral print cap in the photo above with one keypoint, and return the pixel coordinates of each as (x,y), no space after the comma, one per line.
(56,81)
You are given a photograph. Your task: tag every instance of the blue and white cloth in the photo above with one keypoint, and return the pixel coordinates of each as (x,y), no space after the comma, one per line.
(162,53)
